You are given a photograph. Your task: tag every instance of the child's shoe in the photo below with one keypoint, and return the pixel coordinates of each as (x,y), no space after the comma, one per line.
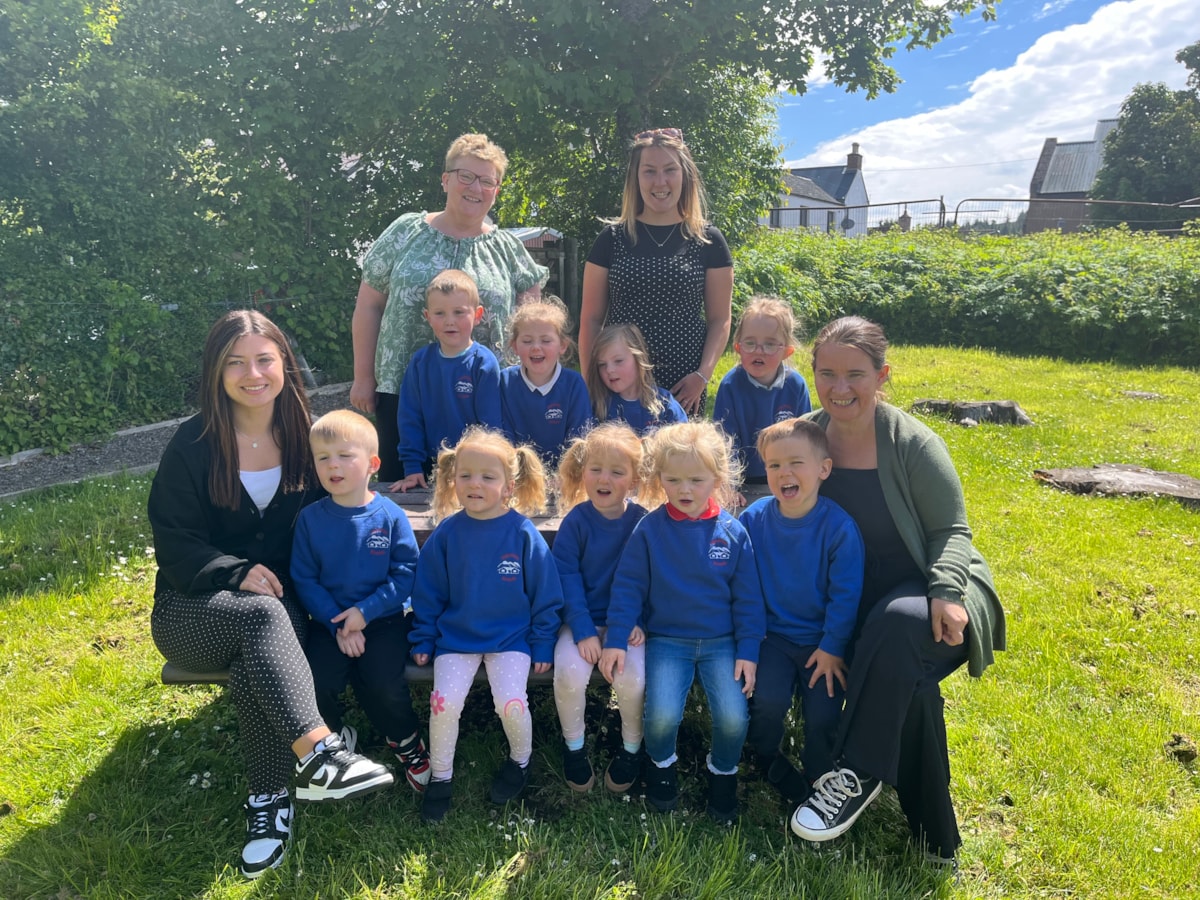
(662,787)
(722,798)
(435,802)
(331,772)
(268,832)
(578,770)
(414,761)
(791,784)
(509,782)
(622,771)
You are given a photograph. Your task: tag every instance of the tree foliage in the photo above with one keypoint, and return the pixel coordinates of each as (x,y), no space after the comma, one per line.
(1153,155)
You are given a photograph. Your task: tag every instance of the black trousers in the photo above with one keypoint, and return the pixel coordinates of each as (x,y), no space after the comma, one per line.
(387,408)
(893,726)
(377,676)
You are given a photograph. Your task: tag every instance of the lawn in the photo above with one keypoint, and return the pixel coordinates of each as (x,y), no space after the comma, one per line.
(1070,760)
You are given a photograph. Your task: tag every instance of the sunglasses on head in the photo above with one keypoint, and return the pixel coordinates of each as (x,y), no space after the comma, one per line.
(675,133)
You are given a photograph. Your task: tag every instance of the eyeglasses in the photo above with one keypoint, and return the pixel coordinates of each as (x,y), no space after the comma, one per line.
(768,347)
(675,133)
(466,176)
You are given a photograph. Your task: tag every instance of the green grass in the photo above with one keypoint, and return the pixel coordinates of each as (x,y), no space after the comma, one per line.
(116,786)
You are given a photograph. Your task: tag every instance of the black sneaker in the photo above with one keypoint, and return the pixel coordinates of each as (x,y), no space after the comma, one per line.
(662,787)
(334,773)
(268,831)
(722,798)
(578,770)
(509,782)
(838,799)
(413,757)
(622,771)
(435,802)
(791,784)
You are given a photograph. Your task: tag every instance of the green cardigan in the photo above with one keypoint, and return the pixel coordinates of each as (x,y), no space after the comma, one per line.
(925,499)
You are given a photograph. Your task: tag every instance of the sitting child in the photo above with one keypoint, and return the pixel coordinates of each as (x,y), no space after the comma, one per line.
(353,561)
(449,384)
(762,388)
(543,404)
(810,558)
(621,384)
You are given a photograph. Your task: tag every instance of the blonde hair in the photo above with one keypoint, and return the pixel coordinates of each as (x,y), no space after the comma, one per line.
(477,146)
(615,438)
(452,281)
(803,429)
(692,205)
(762,306)
(549,310)
(703,440)
(345,425)
(631,336)
(522,465)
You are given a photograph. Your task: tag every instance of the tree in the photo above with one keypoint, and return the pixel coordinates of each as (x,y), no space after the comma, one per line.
(1153,154)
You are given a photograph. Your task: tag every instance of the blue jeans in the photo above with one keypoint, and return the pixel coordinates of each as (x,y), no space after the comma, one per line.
(671,666)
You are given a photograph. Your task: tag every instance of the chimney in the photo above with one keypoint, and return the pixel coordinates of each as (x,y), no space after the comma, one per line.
(854,159)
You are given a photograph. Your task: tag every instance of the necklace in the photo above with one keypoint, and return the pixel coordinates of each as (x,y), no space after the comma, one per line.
(663,242)
(253,442)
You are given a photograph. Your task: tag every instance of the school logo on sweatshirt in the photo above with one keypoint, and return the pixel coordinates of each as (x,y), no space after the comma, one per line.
(509,568)
(464,387)
(554,412)
(718,551)
(783,413)
(379,542)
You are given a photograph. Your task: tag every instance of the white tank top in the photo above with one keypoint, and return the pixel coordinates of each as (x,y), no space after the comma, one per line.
(261,486)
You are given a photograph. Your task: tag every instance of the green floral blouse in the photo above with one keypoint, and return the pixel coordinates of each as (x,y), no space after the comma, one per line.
(402,262)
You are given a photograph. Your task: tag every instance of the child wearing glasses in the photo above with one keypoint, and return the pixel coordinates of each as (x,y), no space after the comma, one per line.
(761,389)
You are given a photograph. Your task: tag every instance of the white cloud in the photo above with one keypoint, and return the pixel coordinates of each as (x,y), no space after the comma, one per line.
(1058,88)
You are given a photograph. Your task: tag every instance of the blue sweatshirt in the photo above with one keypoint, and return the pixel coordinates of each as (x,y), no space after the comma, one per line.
(811,570)
(587,549)
(744,408)
(639,418)
(486,586)
(441,396)
(546,420)
(689,579)
(344,556)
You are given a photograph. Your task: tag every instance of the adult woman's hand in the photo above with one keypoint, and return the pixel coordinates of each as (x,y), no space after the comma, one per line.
(261,580)
(689,391)
(718,318)
(949,621)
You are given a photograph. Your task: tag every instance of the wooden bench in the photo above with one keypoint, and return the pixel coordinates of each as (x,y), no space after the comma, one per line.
(173,674)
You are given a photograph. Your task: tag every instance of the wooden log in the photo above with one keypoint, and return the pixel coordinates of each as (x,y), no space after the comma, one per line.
(972,412)
(1117,479)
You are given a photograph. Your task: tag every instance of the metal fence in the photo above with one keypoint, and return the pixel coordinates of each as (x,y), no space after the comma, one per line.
(853,221)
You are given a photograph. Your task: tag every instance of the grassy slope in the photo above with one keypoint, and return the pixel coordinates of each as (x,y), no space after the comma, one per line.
(1061,775)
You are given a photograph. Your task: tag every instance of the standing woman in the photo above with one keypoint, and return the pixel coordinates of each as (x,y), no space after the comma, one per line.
(223,507)
(928,602)
(662,267)
(388,327)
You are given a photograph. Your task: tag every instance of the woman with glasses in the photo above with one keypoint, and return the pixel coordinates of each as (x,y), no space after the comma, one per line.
(662,267)
(388,327)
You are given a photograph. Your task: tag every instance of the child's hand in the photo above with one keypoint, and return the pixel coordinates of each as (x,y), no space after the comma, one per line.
(415,480)
(637,637)
(589,649)
(541,668)
(744,669)
(421,659)
(739,499)
(351,619)
(827,666)
(612,664)
(352,643)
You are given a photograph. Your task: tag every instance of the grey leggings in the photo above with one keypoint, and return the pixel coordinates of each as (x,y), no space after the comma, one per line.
(258,638)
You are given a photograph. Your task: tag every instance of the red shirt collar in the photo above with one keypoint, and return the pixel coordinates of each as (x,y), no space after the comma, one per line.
(710,512)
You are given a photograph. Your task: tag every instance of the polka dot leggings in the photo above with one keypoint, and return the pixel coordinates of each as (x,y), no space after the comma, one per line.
(453,675)
(258,638)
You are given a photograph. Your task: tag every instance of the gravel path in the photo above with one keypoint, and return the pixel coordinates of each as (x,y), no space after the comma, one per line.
(135,450)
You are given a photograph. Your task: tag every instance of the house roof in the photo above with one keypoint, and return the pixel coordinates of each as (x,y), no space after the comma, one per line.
(1074,165)
(833,180)
(799,186)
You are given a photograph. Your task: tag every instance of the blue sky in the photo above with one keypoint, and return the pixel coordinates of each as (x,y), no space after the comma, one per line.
(972,114)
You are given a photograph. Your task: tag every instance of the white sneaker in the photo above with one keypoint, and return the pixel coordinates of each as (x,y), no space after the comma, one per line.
(268,831)
(350,736)
(334,773)
(837,800)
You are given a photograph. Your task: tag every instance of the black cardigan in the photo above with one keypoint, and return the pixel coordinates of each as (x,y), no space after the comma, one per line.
(200,547)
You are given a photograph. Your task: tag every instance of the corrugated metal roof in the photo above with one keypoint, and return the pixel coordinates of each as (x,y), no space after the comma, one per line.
(1073,167)
(799,186)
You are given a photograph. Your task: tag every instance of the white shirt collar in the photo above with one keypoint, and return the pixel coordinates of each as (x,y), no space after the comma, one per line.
(780,377)
(545,388)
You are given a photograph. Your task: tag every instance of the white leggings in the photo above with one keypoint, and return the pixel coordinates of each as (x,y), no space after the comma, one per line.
(571,676)
(453,675)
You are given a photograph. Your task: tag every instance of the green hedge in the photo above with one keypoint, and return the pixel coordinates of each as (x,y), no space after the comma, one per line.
(1112,295)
